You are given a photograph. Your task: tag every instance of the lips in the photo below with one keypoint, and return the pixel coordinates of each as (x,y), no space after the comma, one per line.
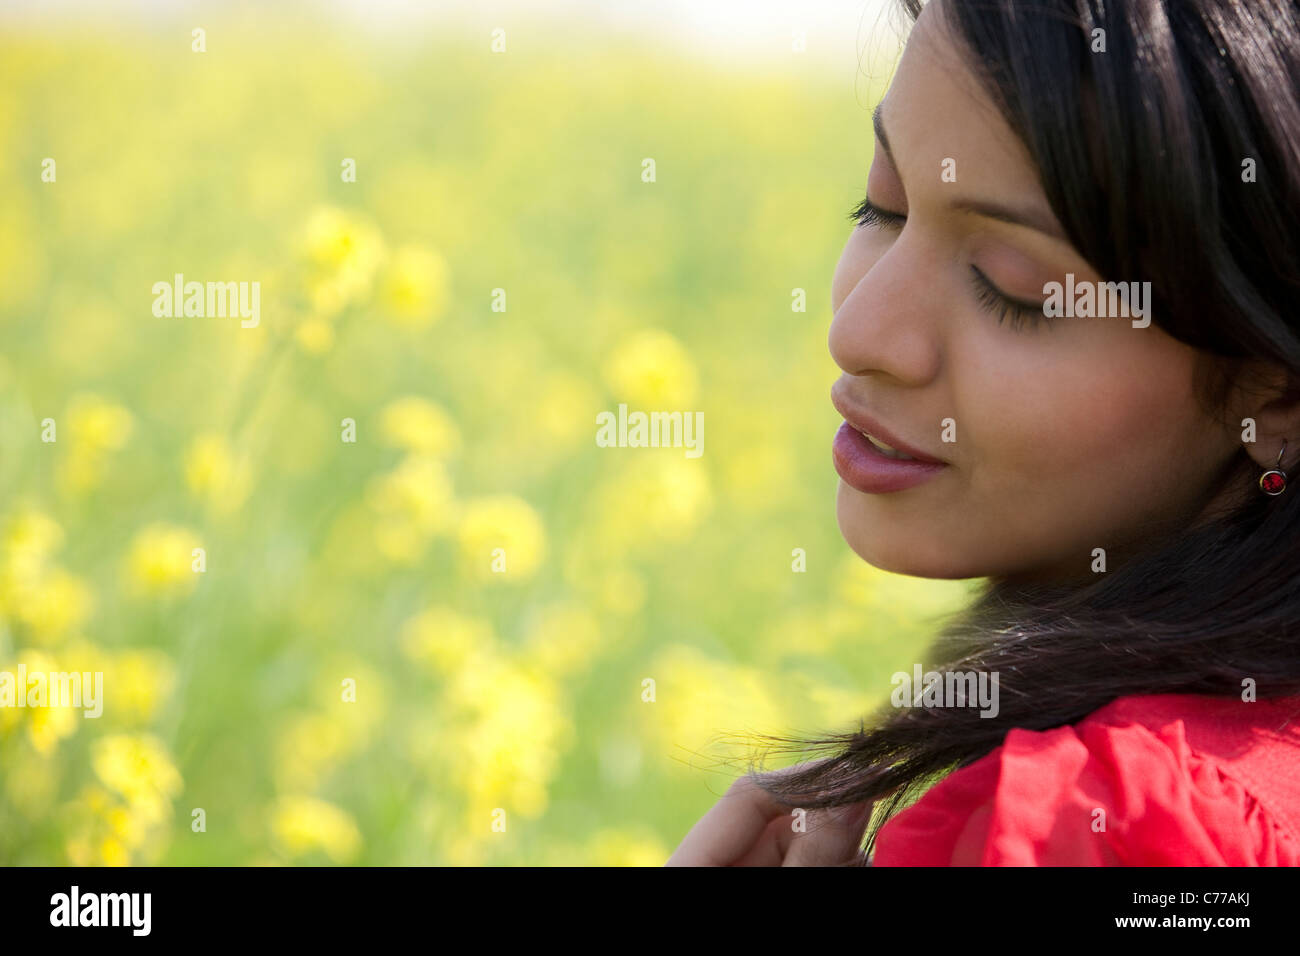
(872,459)
(883,440)
(865,467)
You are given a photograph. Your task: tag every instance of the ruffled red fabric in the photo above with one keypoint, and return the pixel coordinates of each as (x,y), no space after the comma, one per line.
(1161,780)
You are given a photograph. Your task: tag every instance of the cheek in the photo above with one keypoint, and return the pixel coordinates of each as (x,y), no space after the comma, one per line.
(1101,424)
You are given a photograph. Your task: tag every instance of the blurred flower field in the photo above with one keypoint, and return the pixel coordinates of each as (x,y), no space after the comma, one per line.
(428,645)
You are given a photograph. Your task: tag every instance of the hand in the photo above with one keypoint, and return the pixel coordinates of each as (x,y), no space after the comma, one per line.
(747,827)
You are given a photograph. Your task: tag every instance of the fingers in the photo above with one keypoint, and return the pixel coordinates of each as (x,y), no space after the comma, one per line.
(731,828)
(833,837)
(747,827)
(772,846)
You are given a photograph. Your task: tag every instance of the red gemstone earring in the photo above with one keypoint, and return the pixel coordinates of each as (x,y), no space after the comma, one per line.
(1273,481)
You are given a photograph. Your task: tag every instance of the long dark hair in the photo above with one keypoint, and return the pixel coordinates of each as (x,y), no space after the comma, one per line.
(1142,152)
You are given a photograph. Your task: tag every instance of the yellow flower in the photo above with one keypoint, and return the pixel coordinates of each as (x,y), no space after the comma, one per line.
(333,240)
(102,831)
(652,371)
(95,427)
(161,560)
(315,336)
(445,638)
(518,727)
(418,490)
(653,500)
(301,824)
(50,605)
(413,502)
(417,424)
(214,474)
(140,679)
(501,532)
(343,253)
(414,287)
(46,726)
(127,826)
(30,539)
(677,496)
(97,424)
(113,853)
(139,768)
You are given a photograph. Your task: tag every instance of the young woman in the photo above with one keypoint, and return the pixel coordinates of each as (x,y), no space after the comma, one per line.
(1072,300)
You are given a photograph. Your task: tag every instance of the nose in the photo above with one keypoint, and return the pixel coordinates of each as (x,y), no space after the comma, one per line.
(889,318)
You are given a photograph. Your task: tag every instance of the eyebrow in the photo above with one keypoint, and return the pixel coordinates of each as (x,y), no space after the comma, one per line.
(1030,218)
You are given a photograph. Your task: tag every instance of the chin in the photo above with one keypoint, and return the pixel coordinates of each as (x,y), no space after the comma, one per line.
(889,546)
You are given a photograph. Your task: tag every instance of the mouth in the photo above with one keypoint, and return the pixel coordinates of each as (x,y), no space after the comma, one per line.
(871,459)
(884,449)
(874,471)
(880,438)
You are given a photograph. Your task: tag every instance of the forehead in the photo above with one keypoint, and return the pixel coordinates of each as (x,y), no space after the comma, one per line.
(937,110)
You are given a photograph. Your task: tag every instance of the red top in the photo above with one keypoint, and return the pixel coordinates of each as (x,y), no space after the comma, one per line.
(1158,780)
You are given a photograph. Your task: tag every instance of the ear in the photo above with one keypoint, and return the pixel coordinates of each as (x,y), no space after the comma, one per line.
(1270,396)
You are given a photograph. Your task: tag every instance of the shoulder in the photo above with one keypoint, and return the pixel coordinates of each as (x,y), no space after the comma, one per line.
(1160,780)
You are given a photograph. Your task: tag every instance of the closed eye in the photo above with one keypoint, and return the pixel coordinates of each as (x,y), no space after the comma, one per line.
(867,213)
(1016,313)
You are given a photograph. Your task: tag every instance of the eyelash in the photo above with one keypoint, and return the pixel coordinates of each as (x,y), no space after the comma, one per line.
(1003,306)
(867,213)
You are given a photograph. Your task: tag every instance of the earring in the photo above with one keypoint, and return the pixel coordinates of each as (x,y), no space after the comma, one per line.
(1273,481)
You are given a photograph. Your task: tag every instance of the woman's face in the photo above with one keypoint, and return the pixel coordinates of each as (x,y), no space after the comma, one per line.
(1055,437)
